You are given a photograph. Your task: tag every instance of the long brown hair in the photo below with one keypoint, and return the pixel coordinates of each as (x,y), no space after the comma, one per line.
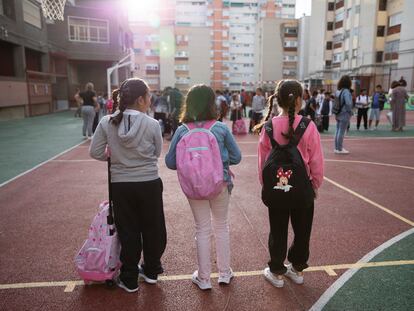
(199,105)
(129,91)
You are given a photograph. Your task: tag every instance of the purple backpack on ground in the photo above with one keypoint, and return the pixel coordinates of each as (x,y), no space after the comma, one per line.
(199,164)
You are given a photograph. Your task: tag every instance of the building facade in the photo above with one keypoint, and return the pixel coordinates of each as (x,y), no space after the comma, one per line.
(369,40)
(43,62)
(219,43)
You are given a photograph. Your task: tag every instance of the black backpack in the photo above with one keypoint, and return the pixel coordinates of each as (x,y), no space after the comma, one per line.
(286,183)
(337,107)
(325,107)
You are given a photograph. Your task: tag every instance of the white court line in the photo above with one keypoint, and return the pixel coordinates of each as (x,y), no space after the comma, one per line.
(333,289)
(39,165)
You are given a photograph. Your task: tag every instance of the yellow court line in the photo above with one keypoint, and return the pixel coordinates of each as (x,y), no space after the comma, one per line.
(329,269)
(411,223)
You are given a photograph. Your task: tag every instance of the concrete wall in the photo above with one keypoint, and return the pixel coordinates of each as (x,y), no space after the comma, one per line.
(304,41)
(14,100)
(199,56)
(167,52)
(272,49)
(317,27)
(367,33)
(406,53)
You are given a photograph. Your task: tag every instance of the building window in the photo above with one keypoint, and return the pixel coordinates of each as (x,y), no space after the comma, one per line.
(380,31)
(329,45)
(354,53)
(337,58)
(382,5)
(291,30)
(329,26)
(331,6)
(379,56)
(6,59)
(7,8)
(290,44)
(392,46)
(328,64)
(151,67)
(88,30)
(340,16)
(395,20)
(31,14)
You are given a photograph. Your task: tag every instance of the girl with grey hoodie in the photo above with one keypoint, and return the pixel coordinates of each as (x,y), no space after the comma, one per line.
(135,141)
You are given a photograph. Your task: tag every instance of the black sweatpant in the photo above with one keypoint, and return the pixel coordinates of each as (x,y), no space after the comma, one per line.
(325,123)
(298,255)
(139,219)
(362,113)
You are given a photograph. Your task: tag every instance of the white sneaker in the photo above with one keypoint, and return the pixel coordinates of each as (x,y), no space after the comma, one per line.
(142,275)
(343,151)
(294,275)
(203,285)
(226,279)
(275,280)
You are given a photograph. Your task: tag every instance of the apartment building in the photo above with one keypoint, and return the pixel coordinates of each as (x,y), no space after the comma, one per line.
(216,42)
(360,38)
(42,62)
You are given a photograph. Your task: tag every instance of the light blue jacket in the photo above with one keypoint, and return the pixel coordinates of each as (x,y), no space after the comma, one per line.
(230,152)
(346,111)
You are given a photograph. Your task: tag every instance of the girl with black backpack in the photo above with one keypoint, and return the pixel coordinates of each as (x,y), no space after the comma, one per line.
(295,185)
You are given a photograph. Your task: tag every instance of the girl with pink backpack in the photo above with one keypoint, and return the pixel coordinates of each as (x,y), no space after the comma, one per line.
(201,150)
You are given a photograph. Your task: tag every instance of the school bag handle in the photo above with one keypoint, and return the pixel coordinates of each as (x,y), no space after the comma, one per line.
(297,135)
(110,217)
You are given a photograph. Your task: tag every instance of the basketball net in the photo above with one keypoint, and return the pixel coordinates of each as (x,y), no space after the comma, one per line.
(53,9)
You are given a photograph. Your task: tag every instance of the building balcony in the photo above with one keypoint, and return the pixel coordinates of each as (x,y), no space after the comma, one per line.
(336,65)
(152,71)
(393,30)
(290,49)
(339,24)
(391,56)
(337,45)
(339,4)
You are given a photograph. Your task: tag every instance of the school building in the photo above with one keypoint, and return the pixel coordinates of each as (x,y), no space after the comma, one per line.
(43,62)
(370,40)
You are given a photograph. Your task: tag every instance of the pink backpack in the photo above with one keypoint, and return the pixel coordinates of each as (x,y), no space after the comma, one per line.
(199,164)
(98,258)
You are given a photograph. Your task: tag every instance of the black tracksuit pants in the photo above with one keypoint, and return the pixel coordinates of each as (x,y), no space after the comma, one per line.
(139,219)
(362,114)
(298,255)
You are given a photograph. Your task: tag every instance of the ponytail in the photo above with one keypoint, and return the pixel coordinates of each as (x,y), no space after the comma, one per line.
(257,129)
(291,114)
(129,91)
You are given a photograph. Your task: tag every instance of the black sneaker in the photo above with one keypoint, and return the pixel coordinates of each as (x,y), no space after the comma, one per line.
(147,279)
(129,285)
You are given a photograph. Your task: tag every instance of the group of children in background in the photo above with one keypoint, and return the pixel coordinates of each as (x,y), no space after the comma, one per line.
(135,142)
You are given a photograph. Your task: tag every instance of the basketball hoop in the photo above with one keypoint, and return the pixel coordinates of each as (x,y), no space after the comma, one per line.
(53,9)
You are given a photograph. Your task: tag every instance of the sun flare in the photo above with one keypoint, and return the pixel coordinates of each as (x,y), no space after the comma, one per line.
(144,10)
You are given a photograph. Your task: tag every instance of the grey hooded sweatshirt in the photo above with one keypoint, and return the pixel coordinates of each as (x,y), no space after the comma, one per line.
(135,146)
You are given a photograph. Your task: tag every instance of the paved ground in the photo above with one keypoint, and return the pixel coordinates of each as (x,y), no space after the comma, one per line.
(365,201)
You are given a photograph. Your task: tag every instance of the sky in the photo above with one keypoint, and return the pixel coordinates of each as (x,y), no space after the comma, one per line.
(303,6)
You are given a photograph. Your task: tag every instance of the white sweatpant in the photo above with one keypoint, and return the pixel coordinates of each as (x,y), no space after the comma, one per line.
(206,213)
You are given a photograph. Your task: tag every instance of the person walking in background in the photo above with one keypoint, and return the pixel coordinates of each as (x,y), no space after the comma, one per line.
(343,95)
(289,98)
(243,100)
(135,142)
(89,108)
(362,104)
(399,96)
(311,106)
(200,111)
(258,105)
(79,102)
(378,102)
(236,108)
(326,111)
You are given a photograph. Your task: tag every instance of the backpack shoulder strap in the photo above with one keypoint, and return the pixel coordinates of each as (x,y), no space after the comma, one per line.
(268,126)
(300,130)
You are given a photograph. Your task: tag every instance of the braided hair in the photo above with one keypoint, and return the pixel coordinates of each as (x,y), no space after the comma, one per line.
(288,92)
(129,91)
